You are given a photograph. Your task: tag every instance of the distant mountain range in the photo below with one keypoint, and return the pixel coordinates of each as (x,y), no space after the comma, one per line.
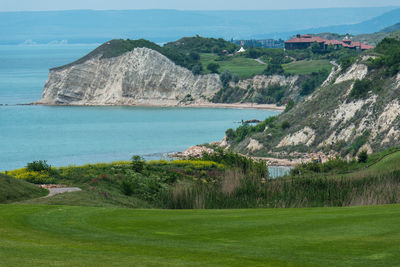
(87,26)
(385,21)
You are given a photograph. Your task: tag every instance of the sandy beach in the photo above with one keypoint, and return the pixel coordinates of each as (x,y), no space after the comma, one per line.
(193,105)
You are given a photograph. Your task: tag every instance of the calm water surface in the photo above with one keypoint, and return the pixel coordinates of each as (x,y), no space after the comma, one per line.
(78,135)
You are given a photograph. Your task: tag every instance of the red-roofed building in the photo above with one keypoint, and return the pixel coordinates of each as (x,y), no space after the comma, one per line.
(305,41)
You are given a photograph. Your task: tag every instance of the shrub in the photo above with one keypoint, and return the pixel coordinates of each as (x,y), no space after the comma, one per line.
(226,77)
(346,62)
(127,188)
(313,81)
(213,67)
(361,88)
(359,142)
(363,156)
(38,166)
(389,61)
(274,69)
(138,163)
(235,78)
(289,105)
(285,125)
(197,69)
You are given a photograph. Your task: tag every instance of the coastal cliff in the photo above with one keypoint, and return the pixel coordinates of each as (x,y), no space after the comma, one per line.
(139,77)
(355,109)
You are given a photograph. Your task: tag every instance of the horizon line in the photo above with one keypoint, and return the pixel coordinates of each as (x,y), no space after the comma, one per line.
(197,10)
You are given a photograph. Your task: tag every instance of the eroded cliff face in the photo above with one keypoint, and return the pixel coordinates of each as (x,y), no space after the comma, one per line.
(142,76)
(332,121)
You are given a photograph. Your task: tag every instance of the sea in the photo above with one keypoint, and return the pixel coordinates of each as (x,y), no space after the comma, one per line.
(65,135)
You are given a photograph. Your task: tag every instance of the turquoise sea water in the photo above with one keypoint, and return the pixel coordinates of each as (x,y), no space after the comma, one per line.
(78,135)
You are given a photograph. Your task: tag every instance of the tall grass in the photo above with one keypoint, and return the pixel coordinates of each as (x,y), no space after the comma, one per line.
(248,192)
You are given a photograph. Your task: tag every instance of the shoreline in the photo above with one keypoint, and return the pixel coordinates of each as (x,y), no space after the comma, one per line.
(193,105)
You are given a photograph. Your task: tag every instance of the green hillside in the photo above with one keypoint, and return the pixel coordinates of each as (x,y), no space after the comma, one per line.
(86,236)
(317,119)
(12,190)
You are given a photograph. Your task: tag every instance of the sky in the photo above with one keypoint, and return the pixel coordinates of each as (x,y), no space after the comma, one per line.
(44,5)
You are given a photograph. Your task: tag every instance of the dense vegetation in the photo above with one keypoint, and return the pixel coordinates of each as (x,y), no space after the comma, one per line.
(186,58)
(12,190)
(227,180)
(389,57)
(202,45)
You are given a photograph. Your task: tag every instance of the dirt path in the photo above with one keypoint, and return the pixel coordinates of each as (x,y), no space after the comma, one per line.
(260,61)
(56,191)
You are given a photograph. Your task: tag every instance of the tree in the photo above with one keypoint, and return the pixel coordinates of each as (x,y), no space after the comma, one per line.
(226,77)
(138,163)
(213,67)
(38,166)
(363,156)
(316,48)
(235,78)
(274,69)
(194,56)
(259,98)
(289,105)
(197,69)
(285,125)
(361,88)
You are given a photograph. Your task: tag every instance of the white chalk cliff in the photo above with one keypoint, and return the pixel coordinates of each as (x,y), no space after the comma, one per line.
(141,76)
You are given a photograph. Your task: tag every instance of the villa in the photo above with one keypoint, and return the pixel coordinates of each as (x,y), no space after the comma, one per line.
(305,41)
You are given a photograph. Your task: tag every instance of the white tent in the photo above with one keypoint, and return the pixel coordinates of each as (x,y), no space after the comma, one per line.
(241,50)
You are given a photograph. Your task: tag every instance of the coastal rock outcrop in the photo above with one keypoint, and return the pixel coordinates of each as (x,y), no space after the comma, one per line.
(139,77)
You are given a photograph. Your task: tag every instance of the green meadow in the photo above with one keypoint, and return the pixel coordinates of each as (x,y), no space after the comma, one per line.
(303,67)
(242,66)
(32,235)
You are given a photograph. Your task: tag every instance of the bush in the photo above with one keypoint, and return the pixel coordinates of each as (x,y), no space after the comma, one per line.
(389,61)
(363,156)
(38,166)
(127,188)
(197,69)
(138,163)
(274,69)
(289,105)
(285,125)
(359,142)
(213,67)
(313,81)
(226,77)
(361,88)
(235,78)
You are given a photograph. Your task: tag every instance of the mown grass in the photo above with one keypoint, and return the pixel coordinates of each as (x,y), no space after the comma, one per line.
(242,66)
(12,190)
(32,235)
(307,66)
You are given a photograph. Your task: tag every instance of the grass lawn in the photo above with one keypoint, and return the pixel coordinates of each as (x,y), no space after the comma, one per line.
(306,66)
(32,235)
(244,67)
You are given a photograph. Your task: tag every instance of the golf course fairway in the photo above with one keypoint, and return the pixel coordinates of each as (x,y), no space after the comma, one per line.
(36,235)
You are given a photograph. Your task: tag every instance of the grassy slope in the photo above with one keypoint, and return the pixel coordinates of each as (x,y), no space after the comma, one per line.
(12,190)
(86,236)
(244,67)
(387,163)
(307,66)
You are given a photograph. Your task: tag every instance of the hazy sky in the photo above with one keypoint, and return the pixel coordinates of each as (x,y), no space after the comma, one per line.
(30,5)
